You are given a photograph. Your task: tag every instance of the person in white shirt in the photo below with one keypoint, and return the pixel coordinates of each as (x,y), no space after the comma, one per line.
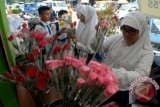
(86,32)
(129,55)
(45,25)
(15,21)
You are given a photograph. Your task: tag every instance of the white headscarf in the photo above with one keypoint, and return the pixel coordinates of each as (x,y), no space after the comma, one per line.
(124,54)
(86,31)
(79,7)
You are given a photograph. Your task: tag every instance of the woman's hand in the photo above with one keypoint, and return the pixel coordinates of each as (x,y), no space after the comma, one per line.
(75,40)
(97,26)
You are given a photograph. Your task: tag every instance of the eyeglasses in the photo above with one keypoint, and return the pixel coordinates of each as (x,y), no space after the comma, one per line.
(129,29)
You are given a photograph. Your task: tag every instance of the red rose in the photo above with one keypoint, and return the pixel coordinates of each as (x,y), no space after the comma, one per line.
(8,75)
(31,57)
(20,79)
(32,72)
(24,25)
(15,70)
(41,84)
(42,43)
(11,37)
(74,23)
(39,37)
(71,25)
(56,50)
(32,34)
(66,47)
(36,51)
(115,18)
(41,75)
(24,30)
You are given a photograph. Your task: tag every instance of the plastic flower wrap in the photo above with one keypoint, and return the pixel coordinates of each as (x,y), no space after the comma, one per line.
(71,26)
(67,19)
(32,78)
(31,53)
(82,85)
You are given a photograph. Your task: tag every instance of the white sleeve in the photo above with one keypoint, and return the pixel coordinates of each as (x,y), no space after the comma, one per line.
(90,42)
(39,28)
(108,41)
(53,29)
(142,69)
(82,47)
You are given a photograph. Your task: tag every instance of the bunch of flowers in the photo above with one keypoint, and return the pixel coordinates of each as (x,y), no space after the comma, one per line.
(67,19)
(32,78)
(67,22)
(109,19)
(82,85)
(31,52)
(78,84)
(107,26)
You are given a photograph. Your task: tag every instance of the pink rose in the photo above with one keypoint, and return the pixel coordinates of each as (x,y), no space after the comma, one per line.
(54,64)
(112,104)
(104,23)
(92,78)
(80,82)
(110,90)
(100,81)
(84,70)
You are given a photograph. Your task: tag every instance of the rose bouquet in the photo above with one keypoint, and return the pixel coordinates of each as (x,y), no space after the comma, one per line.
(81,85)
(30,70)
(111,19)
(77,84)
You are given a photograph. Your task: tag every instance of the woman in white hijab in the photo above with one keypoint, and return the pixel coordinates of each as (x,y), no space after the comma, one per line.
(130,54)
(86,27)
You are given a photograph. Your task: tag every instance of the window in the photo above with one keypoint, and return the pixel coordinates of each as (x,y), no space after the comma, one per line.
(155,28)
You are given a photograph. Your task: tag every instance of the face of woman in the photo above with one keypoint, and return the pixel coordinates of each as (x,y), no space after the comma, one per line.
(131,35)
(82,18)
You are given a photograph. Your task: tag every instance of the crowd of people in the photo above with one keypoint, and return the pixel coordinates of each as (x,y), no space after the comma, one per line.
(128,54)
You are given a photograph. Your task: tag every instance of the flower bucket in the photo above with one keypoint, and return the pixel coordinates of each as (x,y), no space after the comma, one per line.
(58,103)
(25,98)
(42,98)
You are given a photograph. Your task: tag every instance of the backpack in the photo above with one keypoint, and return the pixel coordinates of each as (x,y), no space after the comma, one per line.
(33,25)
